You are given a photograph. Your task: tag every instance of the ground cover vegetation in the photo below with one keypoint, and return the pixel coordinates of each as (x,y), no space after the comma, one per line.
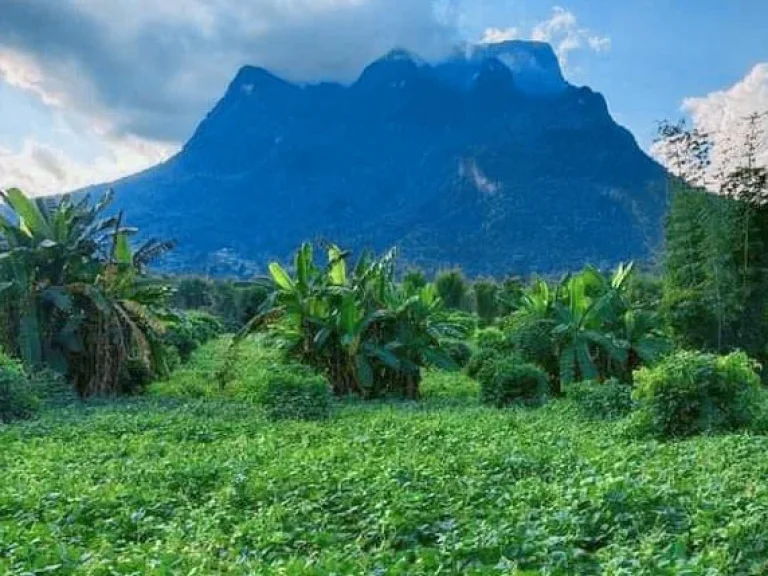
(341,415)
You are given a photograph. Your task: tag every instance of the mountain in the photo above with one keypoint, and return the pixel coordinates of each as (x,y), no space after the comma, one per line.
(488,160)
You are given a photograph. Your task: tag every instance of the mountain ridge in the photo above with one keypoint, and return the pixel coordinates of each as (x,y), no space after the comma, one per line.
(488,160)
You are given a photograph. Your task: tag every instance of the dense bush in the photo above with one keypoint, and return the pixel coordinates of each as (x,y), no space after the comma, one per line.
(453,289)
(507,381)
(532,338)
(247,368)
(459,351)
(191,330)
(293,393)
(234,303)
(691,392)
(17,400)
(480,359)
(135,376)
(486,300)
(369,335)
(607,400)
(492,338)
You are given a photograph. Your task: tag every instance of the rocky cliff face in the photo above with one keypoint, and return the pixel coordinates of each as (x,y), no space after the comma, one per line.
(488,160)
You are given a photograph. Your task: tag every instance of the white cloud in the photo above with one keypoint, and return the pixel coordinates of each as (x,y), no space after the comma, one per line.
(39,169)
(131,80)
(723,114)
(496,35)
(565,34)
(599,43)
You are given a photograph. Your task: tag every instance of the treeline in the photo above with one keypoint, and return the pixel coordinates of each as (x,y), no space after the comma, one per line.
(715,278)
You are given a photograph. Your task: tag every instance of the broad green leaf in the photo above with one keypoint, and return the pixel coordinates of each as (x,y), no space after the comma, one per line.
(122,249)
(337,266)
(304,266)
(385,356)
(586,365)
(30,218)
(364,371)
(281,277)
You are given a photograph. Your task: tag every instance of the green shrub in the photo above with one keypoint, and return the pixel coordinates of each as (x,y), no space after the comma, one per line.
(453,289)
(486,294)
(459,351)
(52,389)
(135,376)
(691,393)
(464,321)
(507,381)
(531,337)
(491,338)
(191,330)
(609,400)
(294,393)
(17,400)
(480,359)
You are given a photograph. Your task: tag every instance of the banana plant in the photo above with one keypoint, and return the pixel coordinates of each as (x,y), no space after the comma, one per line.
(370,335)
(84,301)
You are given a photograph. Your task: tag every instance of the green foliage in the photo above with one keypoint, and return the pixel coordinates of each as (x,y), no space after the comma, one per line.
(414,279)
(715,286)
(453,289)
(17,399)
(233,303)
(486,296)
(294,393)
(211,486)
(465,322)
(586,327)
(254,361)
(450,388)
(369,335)
(507,381)
(77,297)
(609,400)
(189,330)
(692,393)
(530,336)
(458,351)
(481,358)
(491,338)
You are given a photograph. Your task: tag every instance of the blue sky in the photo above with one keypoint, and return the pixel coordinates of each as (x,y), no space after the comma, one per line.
(94,89)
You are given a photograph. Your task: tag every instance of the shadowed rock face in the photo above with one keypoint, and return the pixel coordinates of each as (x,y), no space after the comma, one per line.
(488,160)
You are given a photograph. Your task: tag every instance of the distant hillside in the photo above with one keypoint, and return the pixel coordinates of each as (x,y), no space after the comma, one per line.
(488,160)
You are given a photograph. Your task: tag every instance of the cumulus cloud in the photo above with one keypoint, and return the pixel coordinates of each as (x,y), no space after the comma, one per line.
(136,77)
(565,34)
(496,35)
(40,169)
(153,68)
(723,115)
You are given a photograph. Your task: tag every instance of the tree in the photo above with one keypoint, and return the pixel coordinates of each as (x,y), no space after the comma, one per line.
(368,334)
(453,289)
(82,300)
(715,280)
(486,296)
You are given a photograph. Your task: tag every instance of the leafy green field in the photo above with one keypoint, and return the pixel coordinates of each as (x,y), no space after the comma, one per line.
(161,486)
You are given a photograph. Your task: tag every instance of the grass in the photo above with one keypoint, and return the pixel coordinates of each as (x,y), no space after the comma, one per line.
(166,485)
